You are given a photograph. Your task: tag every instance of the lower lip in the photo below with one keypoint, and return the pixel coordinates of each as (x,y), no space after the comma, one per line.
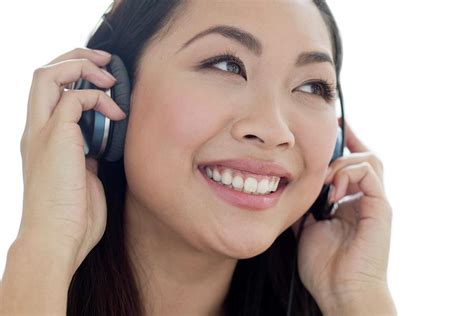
(244,200)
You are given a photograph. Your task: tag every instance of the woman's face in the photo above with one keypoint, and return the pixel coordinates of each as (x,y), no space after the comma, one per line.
(183,115)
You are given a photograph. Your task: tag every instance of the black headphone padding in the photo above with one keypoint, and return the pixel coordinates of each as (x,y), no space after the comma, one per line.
(120,92)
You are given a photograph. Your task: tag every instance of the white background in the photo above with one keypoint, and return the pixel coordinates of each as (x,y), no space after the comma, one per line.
(407,79)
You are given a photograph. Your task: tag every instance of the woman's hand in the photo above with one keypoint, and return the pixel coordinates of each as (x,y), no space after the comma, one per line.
(343,261)
(64,206)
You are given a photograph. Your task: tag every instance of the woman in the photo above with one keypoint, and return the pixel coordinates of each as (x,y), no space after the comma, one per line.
(158,238)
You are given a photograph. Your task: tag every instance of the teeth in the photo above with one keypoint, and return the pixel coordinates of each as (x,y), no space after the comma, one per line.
(216,175)
(275,186)
(227,177)
(238,183)
(209,172)
(250,185)
(263,186)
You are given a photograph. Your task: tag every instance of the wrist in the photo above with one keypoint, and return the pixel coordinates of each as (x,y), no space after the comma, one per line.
(371,302)
(36,279)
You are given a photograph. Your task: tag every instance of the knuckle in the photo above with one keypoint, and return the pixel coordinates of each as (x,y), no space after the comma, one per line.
(97,95)
(81,96)
(69,95)
(83,63)
(376,161)
(87,62)
(87,67)
(78,50)
(366,165)
(39,72)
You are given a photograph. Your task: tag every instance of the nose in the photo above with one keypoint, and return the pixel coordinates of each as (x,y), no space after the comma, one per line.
(264,125)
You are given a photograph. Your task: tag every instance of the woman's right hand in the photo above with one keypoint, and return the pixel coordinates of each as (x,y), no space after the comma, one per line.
(63,200)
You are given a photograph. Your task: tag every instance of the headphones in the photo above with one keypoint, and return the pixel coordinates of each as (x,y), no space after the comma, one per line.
(105,139)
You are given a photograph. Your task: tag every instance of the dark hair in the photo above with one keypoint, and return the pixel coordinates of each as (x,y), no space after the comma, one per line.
(104,283)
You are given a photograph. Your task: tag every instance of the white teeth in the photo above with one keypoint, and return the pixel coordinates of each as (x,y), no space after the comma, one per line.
(271,184)
(275,186)
(263,186)
(236,182)
(227,177)
(250,185)
(216,175)
(209,172)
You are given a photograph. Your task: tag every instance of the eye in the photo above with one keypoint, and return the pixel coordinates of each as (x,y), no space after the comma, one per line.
(322,88)
(234,69)
(228,63)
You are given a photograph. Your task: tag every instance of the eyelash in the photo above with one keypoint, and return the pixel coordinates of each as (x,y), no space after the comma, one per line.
(328,90)
(225,56)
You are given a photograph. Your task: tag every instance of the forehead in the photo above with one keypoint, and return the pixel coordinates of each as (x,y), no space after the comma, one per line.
(278,24)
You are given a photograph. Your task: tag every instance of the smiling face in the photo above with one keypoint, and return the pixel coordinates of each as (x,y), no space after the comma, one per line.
(266,109)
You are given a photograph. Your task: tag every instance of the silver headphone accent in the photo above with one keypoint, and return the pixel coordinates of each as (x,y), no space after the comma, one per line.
(105,136)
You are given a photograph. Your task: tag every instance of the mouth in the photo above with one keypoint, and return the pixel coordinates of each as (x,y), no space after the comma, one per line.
(243,189)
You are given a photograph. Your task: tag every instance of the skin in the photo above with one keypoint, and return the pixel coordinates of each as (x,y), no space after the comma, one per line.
(187,240)
(184,240)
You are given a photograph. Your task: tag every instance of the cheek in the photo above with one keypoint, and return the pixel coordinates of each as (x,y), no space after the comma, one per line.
(179,122)
(167,128)
(317,141)
(185,120)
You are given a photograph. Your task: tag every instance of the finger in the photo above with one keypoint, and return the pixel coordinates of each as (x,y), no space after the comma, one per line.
(47,87)
(355,158)
(100,58)
(369,184)
(346,211)
(74,102)
(353,143)
(361,174)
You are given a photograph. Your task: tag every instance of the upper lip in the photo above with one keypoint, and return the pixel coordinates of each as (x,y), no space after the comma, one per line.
(261,167)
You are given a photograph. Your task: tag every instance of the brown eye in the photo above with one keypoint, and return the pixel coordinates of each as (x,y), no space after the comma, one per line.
(229,63)
(321,88)
(231,67)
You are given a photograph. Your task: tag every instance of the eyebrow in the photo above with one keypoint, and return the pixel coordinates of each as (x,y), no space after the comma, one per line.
(255,46)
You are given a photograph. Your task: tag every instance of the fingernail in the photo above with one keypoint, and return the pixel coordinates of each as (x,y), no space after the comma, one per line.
(108,74)
(123,113)
(101,52)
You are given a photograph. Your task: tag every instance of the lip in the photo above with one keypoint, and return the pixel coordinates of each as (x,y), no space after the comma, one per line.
(259,167)
(244,200)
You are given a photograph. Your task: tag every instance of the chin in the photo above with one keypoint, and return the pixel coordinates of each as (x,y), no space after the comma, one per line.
(245,243)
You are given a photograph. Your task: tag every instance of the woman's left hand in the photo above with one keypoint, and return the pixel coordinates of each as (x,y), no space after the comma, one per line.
(343,261)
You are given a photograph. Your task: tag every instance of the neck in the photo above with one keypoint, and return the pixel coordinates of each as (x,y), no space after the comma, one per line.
(173,277)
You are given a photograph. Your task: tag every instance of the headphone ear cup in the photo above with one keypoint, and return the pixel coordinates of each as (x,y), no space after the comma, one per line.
(120,93)
(104,138)
(339,149)
(321,208)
